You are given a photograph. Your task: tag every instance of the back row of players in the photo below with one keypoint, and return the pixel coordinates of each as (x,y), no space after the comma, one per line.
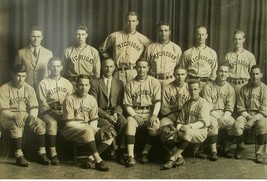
(193,118)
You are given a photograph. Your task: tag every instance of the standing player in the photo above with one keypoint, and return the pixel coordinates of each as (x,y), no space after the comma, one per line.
(163,55)
(51,93)
(35,57)
(127,46)
(241,62)
(192,124)
(200,61)
(221,95)
(142,101)
(108,92)
(19,106)
(252,108)
(80,111)
(81,58)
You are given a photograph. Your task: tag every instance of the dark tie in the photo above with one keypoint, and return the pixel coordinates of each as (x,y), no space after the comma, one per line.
(35,52)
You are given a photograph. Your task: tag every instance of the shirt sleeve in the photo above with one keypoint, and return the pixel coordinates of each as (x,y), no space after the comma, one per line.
(97,65)
(204,113)
(42,97)
(127,101)
(230,100)
(4,102)
(214,66)
(165,107)
(68,109)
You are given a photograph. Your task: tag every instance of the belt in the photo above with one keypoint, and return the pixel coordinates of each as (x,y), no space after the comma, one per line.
(126,68)
(163,77)
(141,107)
(237,81)
(202,79)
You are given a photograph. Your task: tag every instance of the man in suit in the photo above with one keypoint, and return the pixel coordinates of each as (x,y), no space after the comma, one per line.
(35,58)
(108,91)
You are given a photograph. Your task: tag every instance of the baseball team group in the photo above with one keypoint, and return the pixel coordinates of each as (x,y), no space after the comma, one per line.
(100,98)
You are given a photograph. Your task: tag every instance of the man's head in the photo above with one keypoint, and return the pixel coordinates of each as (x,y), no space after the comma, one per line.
(108,67)
(194,89)
(239,38)
(142,67)
(256,74)
(201,35)
(55,66)
(131,21)
(223,71)
(164,31)
(19,75)
(83,85)
(81,35)
(180,74)
(36,36)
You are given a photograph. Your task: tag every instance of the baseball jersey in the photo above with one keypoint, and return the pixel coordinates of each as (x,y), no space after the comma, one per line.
(220,97)
(162,57)
(52,92)
(127,48)
(193,111)
(14,99)
(200,62)
(76,108)
(142,92)
(240,63)
(252,99)
(81,61)
(173,98)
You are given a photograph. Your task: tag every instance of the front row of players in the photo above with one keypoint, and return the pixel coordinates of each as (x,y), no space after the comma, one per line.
(186,117)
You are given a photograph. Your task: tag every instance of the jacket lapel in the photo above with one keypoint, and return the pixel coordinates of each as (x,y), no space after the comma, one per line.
(103,86)
(28,54)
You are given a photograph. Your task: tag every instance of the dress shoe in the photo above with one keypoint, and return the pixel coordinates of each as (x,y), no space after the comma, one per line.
(89,163)
(130,161)
(259,158)
(200,154)
(168,165)
(44,159)
(144,158)
(213,156)
(239,153)
(101,167)
(54,160)
(228,154)
(180,161)
(21,161)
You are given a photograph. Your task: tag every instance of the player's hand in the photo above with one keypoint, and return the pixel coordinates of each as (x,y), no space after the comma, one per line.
(30,120)
(222,122)
(139,120)
(154,119)
(249,124)
(185,127)
(110,118)
(17,119)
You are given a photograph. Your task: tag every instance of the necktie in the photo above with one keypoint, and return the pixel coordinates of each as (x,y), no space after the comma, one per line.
(35,52)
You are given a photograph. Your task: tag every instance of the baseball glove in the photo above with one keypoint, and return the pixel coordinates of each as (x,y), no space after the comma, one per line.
(107,132)
(166,131)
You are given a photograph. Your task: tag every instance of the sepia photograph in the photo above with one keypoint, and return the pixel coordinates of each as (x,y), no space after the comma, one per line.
(133,89)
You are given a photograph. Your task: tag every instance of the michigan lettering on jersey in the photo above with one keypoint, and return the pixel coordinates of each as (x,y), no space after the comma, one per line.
(55,90)
(240,62)
(198,58)
(164,53)
(175,98)
(81,110)
(129,43)
(254,96)
(139,93)
(81,57)
(17,100)
(217,96)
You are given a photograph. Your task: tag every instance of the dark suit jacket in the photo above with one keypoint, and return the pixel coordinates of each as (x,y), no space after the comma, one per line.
(116,95)
(36,71)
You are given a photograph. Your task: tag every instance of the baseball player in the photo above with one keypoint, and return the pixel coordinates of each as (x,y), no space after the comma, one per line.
(163,55)
(19,107)
(192,124)
(200,61)
(51,93)
(252,108)
(142,100)
(35,57)
(81,58)
(80,112)
(108,91)
(127,46)
(221,95)
(241,62)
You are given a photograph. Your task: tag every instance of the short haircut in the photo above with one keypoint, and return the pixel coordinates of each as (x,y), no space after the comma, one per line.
(36,28)
(131,13)
(82,27)
(106,60)
(55,59)
(239,32)
(166,23)
(201,26)
(226,64)
(178,66)
(82,76)
(142,60)
(19,68)
(256,67)
(193,81)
